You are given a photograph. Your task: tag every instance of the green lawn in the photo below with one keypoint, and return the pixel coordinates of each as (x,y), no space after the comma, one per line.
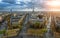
(2,31)
(37,31)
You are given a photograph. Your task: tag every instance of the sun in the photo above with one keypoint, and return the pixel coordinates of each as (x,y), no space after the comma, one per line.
(53,4)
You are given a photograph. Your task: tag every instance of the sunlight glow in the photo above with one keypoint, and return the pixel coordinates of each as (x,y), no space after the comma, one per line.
(53,3)
(0,0)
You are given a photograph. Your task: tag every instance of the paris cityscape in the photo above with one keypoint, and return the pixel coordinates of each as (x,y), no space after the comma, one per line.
(30,19)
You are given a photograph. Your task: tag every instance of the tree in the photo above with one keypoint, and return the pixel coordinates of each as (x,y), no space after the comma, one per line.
(40,16)
(57,29)
(36,25)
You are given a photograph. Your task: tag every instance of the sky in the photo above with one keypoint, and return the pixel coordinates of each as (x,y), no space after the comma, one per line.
(20,4)
(28,4)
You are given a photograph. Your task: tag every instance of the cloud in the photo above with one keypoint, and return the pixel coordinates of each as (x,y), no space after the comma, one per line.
(25,0)
(22,4)
(4,4)
(9,1)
